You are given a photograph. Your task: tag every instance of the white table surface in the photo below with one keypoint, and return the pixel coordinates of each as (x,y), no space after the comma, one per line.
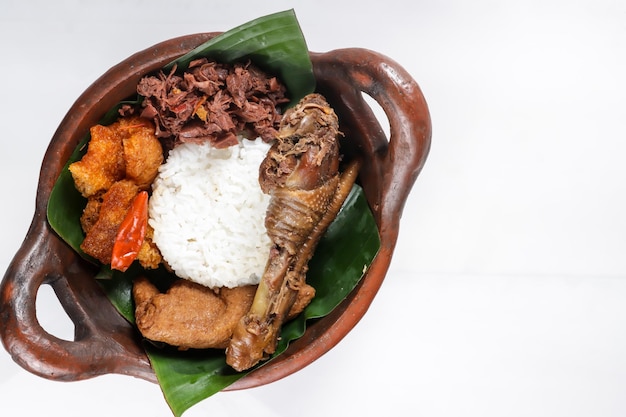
(506,293)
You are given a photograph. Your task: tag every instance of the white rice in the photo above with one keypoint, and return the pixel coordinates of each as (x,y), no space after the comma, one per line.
(207,210)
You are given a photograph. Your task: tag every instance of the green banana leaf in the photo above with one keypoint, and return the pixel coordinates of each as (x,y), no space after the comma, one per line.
(274,42)
(345,251)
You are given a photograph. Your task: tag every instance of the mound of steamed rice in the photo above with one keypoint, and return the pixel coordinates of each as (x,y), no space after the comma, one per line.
(208,211)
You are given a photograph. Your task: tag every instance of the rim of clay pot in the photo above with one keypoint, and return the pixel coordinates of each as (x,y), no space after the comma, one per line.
(104,341)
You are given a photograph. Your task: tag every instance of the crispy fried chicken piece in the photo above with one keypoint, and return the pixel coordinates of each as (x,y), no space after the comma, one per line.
(126,151)
(192,316)
(301,175)
(115,203)
(102,165)
(143,153)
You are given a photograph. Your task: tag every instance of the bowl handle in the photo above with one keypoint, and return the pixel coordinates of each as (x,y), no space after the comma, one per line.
(104,341)
(391,165)
(102,337)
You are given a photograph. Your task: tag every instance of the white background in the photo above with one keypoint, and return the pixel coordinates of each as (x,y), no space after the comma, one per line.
(506,293)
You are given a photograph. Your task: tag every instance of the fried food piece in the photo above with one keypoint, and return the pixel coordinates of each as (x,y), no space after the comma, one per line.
(143,153)
(91,212)
(115,203)
(190,315)
(301,175)
(126,151)
(102,165)
(149,255)
(306,293)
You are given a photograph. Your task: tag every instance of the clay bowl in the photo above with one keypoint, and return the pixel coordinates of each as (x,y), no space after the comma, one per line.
(104,341)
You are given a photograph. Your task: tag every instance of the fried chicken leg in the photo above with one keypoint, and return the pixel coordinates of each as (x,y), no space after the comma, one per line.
(301,174)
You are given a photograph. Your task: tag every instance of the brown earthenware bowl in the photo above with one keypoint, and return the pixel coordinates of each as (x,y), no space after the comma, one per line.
(104,342)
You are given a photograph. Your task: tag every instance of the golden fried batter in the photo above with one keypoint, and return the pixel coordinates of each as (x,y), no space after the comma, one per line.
(149,255)
(115,204)
(143,153)
(91,212)
(102,165)
(190,315)
(126,151)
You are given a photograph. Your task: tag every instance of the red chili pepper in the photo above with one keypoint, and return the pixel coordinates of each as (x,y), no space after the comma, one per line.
(131,233)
